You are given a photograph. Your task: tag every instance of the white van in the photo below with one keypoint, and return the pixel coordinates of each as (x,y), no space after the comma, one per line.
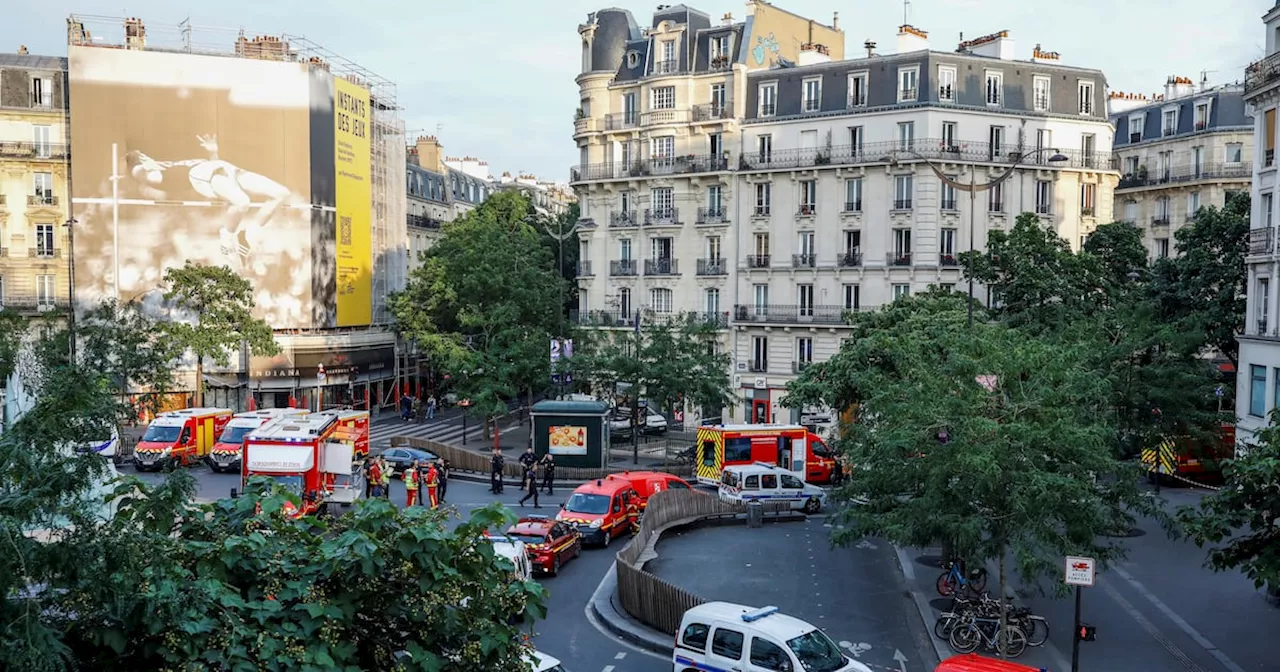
(726,636)
(541,662)
(515,551)
(763,482)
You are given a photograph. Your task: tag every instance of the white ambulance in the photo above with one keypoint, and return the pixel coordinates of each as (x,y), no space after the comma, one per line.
(727,636)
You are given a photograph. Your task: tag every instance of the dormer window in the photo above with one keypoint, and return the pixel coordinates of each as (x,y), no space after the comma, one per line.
(1085,90)
(1202,116)
(633,59)
(720,51)
(1169,121)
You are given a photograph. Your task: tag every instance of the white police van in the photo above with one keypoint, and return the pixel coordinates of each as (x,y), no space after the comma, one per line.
(764,482)
(722,636)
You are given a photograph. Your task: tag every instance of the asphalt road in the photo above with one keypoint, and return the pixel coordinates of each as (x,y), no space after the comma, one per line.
(855,594)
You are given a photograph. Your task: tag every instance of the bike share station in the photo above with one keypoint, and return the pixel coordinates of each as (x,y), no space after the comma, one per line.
(1079,572)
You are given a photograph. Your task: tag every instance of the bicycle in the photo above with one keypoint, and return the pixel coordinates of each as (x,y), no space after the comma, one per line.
(954,577)
(1036,628)
(986,632)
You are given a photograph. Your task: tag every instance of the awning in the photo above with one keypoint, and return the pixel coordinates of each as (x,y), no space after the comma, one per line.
(276,384)
(228,380)
(280,459)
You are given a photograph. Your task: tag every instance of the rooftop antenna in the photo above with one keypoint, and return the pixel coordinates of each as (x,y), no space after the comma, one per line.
(906,7)
(185,25)
(1204,78)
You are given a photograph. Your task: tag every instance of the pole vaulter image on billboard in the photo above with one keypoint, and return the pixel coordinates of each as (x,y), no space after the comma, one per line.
(182,157)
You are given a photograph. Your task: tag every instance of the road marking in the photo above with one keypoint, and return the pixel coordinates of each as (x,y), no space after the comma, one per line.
(607,668)
(1177,620)
(621,655)
(1150,628)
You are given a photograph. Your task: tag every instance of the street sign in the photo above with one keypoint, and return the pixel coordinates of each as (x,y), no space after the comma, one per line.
(1079,571)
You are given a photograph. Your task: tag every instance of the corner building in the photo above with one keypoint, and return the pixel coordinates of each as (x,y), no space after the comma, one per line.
(806,188)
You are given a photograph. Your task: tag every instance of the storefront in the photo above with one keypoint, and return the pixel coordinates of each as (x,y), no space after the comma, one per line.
(322,379)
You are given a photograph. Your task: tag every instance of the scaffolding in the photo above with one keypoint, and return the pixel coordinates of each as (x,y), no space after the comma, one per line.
(389,234)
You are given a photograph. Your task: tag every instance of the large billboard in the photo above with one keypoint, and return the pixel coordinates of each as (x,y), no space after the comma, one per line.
(216,160)
(352,125)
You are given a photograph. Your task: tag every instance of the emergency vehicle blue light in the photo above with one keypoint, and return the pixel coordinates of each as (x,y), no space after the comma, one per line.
(758,614)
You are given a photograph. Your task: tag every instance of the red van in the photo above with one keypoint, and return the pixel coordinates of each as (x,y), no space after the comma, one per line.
(650,483)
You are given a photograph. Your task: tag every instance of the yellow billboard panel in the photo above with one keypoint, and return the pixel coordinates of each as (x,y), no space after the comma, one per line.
(354,203)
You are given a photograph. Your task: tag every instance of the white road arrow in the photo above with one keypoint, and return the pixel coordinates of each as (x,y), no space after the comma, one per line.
(902,660)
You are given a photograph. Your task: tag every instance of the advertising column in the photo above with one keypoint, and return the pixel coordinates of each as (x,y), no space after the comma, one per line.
(352,162)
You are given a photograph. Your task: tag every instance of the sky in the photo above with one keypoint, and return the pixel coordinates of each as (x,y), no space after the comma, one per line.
(495,78)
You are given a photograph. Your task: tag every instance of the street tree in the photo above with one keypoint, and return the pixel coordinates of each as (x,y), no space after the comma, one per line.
(132,351)
(215,316)
(560,238)
(485,302)
(984,439)
(1240,523)
(1202,288)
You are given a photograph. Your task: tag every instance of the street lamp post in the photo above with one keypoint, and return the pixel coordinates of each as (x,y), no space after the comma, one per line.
(973,188)
(560,235)
(71,286)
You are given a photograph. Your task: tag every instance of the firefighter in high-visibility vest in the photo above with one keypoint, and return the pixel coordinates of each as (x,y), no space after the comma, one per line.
(433,486)
(411,484)
(386,478)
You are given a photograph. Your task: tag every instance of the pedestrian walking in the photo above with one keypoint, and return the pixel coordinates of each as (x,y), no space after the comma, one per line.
(374,482)
(417,409)
(406,406)
(495,472)
(548,472)
(530,485)
(433,486)
(411,485)
(431,407)
(442,467)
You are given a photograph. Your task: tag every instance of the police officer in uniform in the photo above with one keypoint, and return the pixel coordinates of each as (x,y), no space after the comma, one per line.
(495,472)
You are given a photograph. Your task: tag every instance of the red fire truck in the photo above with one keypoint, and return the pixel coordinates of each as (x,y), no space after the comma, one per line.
(312,456)
(357,424)
(791,447)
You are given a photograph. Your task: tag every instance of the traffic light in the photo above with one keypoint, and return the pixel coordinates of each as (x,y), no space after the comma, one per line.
(1087,633)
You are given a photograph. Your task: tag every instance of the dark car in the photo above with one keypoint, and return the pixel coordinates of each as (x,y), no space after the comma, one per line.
(400,459)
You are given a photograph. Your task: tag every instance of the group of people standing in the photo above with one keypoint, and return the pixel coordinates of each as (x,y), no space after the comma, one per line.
(530,466)
(433,475)
(412,407)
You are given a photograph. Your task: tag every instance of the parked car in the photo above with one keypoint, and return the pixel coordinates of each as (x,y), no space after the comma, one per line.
(651,422)
(400,459)
(550,543)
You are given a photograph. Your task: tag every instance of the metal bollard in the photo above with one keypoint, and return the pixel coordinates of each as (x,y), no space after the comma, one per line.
(755,514)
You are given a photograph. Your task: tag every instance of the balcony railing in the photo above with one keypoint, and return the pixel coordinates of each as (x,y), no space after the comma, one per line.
(1262,241)
(804,260)
(797,367)
(661,216)
(902,204)
(619,121)
(1168,132)
(1160,220)
(34,150)
(1200,125)
(811,105)
(1043,209)
(584,269)
(762,211)
(627,319)
(995,206)
(717,266)
(670,67)
(929,148)
(768,109)
(619,267)
(853,206)
(1269,158)
(850,259)
(661,266)
(673,165)
(603,318)
(671,116)
(1135,137)
(622,220)
(948,204)
(789,314)
(44,253)
(1261,73)
(757,261)
(711,216)
(897,259)
(42,200)
(422,222)
(758,366)
(948,261)
(807,210)
(1205,171)
(712,112)
(945,93)
(32,303)
(906,95)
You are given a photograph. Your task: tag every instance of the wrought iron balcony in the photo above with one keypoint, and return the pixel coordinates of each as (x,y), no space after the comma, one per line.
(763,211)
(905,95)
(661,266)
(422,221)
(807,210)
(42,199)
(850,259)
(603,318)
(718,266)
(623,219)
(39,151)
(897,259)
(758,366)
(853,206)
(757,261)
(32,303)
(1160,220)
(1262,241)
(948,261)
(1269,158)
(804,260)
(768,109)
(945,93)
(995,206)
(1261,73)
(654,166)
(928,148)
(1189,173)
(1135,137)
(789,314)
(44,253)
(1043,209)
(712,112)
(712,216)
(669,67)
(584,269)
(948,204)
(622,267)
(662,217)
(797,367)
(619,121)
(902,204)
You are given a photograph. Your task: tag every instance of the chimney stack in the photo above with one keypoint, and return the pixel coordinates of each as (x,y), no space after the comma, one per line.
(870,46)
(22,50)
(1040,56)
(996,45)
(430,153)
(911,39)
(727,19)
(811,53)
(835,20)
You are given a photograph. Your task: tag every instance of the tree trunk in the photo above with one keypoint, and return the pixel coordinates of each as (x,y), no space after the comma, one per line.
(1004,608)
(199,396)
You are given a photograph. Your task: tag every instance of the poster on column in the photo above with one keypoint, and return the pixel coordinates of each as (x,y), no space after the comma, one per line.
(352,157)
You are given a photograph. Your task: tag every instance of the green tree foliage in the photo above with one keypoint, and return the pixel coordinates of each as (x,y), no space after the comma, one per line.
(13,328)
(1241,522)
(131,350)
(216,307)
(485,302)
(554,230)
(985,439)
(1202,289)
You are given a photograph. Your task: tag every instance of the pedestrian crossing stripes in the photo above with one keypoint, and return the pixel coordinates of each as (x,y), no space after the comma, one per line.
(445,432)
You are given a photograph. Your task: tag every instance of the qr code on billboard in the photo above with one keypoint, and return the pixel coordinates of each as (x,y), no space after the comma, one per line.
(344,231)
